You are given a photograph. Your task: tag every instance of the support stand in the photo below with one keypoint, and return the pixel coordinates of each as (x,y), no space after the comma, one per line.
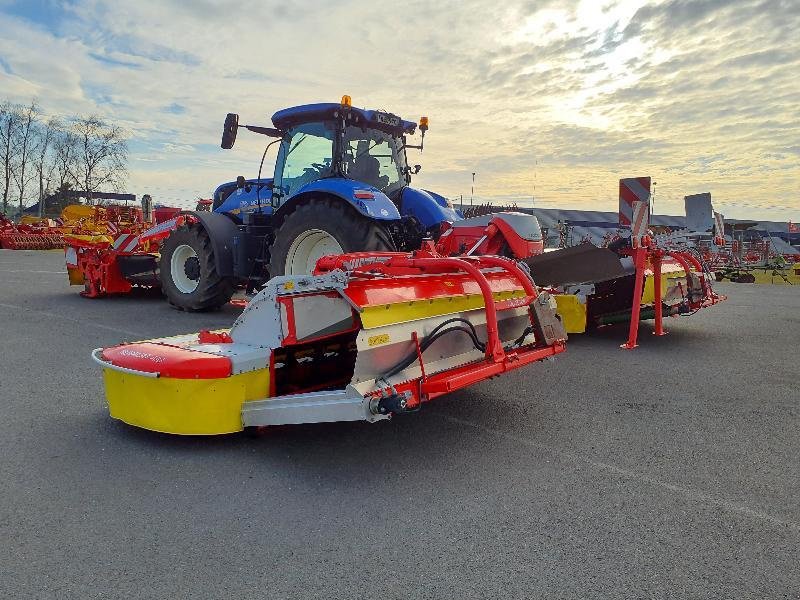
(655,258)
(639,255)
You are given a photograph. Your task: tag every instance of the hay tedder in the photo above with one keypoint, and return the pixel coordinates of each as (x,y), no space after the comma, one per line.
(367,336)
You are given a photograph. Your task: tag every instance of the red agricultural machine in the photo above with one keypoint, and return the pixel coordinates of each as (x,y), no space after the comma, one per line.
(746,255)
(115,256)
(40,234)
(366,337)
(638,276)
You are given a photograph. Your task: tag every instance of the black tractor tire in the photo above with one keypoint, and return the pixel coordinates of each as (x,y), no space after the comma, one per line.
(353,231)
(746,278)
(213,290)
(719,275)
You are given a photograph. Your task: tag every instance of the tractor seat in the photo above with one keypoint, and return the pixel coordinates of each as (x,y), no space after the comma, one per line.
(367,169)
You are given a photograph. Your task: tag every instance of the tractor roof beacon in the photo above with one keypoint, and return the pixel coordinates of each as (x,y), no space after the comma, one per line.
(341,184)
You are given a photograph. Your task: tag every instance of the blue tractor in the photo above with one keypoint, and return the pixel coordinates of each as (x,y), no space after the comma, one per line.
(341,184)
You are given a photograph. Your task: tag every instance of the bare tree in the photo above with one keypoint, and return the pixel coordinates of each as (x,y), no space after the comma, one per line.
(89,154)
(9,122)
(102,154)
(45,159)
(23,173)
(65,150)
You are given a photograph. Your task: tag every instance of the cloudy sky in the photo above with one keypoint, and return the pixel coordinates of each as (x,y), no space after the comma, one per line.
(549,98)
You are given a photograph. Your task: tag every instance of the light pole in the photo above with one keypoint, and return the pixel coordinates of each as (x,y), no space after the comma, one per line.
(653,199)
(472,195)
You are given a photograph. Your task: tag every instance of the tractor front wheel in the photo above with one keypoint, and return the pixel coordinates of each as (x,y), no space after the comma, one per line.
(319,228)
(188,272)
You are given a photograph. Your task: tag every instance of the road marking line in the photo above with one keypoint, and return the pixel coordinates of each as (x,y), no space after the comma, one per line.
(66,318)
(640,477)
(29,271)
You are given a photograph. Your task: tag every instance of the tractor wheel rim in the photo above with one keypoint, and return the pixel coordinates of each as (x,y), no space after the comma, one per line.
(307,248)
(180,265)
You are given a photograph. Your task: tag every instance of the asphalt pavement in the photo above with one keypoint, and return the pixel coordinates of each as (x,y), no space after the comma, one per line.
(671,471)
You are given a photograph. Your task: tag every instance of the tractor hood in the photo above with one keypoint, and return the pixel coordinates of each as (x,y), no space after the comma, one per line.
(307,113)
(232,200)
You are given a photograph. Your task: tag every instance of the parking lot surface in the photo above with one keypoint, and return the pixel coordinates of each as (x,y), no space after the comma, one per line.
(671,471)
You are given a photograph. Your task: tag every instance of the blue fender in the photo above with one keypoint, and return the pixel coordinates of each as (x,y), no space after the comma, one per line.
(428,208)
(377,207)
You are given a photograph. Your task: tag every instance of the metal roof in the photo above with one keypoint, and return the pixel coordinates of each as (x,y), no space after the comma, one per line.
(307,113)
(597,224)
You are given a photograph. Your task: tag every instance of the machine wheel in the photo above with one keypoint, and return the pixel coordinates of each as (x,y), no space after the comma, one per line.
(319,228)
(188,273)
(719,275)
(746,278)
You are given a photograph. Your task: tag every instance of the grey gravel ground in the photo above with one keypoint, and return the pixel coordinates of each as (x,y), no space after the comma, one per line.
(667,472)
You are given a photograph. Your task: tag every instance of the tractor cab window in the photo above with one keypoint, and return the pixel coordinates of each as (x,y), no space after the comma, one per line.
(305,155)
(374,157)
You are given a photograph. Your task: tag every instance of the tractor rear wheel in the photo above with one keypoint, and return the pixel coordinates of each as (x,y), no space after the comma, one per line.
(188,272)
(319,228)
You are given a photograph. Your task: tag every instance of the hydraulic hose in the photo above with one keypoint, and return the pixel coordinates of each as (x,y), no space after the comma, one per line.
(434,335)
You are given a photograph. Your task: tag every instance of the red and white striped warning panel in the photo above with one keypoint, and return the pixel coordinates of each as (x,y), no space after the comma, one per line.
(71,257)
(631,190)
(640,221)
(719,225)
(126,242)
(159,231)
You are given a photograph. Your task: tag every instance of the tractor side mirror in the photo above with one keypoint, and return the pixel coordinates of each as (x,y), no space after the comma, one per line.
(229,131)
(417,169)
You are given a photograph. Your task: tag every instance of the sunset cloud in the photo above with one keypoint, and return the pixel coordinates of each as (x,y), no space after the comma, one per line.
(557,99)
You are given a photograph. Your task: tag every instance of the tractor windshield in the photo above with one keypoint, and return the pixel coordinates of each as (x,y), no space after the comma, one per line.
(367,155)
(374,157)
(305,155)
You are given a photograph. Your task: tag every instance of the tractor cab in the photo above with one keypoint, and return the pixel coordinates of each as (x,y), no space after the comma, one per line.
(338,141)
(347,151)
(341,184)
